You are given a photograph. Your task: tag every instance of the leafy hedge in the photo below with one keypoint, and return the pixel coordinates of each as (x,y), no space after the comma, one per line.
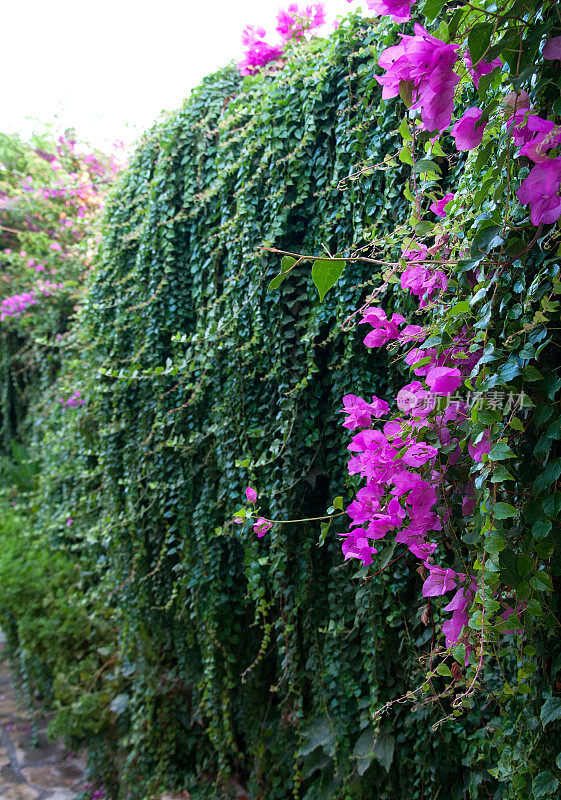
(240,659)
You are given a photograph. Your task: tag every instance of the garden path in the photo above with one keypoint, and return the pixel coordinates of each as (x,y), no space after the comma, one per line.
(32,767)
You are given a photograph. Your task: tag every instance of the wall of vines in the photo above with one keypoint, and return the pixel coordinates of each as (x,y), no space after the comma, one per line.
(240,660)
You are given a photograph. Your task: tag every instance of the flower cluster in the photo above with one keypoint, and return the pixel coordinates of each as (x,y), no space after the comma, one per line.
(15,305)
(398,10)
(426,64)
(292,23)
(74,401)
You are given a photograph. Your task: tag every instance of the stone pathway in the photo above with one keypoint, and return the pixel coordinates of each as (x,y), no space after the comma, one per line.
(32,767)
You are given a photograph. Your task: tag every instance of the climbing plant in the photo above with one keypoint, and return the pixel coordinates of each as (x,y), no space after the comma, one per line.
(262,657)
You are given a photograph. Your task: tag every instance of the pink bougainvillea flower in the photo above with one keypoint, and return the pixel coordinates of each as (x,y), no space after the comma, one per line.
(444,380)
(541,190)
(427,63)
(552,49)
(261,526)
(384,329)
(466,131)
(69,522)
(414,398)
(415,252)
(356,545)
(293,21)
(412,333)
(398,10)
(481,68)
(526,127)
(439,581)
(438,207)
(251,494)
(258,52)
(452,628)
(360,413)
(423,282)
(418,454)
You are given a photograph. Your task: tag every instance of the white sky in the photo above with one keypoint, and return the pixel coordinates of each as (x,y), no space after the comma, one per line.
(109,67)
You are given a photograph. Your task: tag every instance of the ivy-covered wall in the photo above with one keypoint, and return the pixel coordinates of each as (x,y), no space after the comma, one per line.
(244,659)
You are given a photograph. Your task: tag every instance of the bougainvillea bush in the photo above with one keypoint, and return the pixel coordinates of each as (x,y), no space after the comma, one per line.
(323,502)
(52,191)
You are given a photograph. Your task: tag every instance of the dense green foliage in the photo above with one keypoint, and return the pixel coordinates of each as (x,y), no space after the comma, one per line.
(237,657)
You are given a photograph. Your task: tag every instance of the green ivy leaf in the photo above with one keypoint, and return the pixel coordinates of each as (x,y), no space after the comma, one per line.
(325,274)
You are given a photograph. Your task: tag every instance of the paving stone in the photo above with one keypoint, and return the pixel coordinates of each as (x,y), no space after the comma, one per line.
(60,794)
(53,776)
(21,792)
(44,753)
(9,775)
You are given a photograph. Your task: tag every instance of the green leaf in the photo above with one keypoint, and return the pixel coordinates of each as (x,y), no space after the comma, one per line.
(504,510)
(500,451)
(445,671)
(544,785)
(550,474)
(318,733)
(525,565)
(276,282)
(495,543)
(508,563)
(431,9)
(364,750)
(384,747)
(287,263)
(541,582)
(405,155)
(541,528)
(460,308)
(325,274)
(406,92)
(479,40)
(501,474)
(423,229)
(426,165)
(486,239)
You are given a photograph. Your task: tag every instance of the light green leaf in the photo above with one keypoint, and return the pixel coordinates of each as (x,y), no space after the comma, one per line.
(276,282)
(325,274)
(287,263)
